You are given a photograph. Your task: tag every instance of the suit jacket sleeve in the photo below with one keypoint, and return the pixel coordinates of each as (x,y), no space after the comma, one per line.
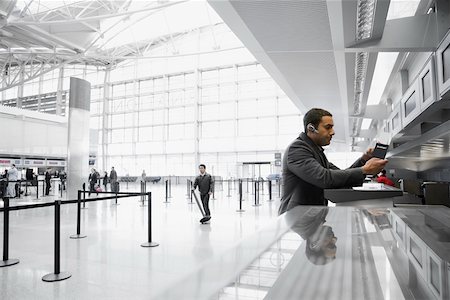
(196,182)
(301,162)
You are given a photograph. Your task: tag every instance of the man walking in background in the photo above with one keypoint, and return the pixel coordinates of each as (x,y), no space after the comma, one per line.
(204,182)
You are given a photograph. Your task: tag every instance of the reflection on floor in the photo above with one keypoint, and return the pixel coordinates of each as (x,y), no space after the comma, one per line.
(109,263)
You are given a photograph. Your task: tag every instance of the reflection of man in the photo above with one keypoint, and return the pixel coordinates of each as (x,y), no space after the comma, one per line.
(308,222)
(204,182)
(306,170)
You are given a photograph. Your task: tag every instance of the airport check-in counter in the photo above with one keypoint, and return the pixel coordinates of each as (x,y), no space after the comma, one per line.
(370,194)
(332,253)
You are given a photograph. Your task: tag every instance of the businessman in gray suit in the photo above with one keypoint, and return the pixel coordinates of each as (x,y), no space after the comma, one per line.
(205,183)
(307,171)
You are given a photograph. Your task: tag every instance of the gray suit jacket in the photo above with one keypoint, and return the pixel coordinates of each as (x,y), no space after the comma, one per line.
(307,172)
(204,183)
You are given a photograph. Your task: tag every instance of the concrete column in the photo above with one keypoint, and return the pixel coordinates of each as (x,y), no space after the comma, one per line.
(78,137)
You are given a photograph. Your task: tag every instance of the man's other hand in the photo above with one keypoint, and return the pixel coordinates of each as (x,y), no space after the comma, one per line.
(374,166)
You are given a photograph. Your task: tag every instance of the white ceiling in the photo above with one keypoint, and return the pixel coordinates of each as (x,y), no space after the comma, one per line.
(302,45)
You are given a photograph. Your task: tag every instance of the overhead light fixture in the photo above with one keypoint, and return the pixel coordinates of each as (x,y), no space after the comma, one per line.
(364,28)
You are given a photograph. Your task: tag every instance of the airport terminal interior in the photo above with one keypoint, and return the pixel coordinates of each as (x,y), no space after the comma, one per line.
(144,149)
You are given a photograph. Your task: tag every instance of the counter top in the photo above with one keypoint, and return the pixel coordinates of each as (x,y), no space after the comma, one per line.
(328,253)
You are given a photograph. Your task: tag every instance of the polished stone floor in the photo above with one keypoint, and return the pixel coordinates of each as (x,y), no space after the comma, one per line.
(110,263)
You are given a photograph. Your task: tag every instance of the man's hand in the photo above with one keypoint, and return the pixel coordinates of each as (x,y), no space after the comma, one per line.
(374,166)
(209,193)
(368,155)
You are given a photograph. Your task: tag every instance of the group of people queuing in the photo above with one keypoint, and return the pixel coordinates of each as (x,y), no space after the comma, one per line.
(10,180)
(95,179)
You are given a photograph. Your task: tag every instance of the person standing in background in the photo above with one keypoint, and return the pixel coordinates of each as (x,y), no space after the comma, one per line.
(113,180)
(13,176)
(143,176)
(92,181)
(48,176)
(105,181)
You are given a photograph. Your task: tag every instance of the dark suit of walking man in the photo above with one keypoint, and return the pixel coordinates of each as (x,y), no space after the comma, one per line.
(306,170)
(204,182)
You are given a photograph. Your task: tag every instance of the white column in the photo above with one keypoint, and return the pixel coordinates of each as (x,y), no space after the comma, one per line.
(78,136)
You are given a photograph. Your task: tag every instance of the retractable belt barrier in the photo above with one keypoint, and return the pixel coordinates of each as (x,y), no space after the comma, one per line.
(57,275)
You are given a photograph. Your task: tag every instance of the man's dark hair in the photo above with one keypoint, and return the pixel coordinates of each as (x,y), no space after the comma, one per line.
(314,116)
(202,165)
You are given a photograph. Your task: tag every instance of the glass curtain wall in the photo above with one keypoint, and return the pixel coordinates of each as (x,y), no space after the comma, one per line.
(197,98)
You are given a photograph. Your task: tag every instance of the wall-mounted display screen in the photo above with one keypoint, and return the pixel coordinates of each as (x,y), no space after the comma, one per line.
(426,84)
(410,104)
(446,63)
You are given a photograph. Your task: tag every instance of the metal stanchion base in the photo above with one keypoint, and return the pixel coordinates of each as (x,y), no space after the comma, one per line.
(56,277)
(240,210)
(78,236)
(190,202)
(166,201)
(9,262)
(149,244)
(115,204)
(256,205)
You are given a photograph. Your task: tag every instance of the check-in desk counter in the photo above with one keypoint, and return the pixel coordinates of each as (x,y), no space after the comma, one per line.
(332,253)
(370,194)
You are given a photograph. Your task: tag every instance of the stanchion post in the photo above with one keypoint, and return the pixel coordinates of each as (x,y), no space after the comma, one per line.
(149,243)
(213,190)
(57,275)
(240,197)
(84,195)
(270,189)
(6,260)
(262,185)
(167,191)
(229,188)
(37,188)
(256,193)
(170,187)
(190,195)
(78,235)
(115,200)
